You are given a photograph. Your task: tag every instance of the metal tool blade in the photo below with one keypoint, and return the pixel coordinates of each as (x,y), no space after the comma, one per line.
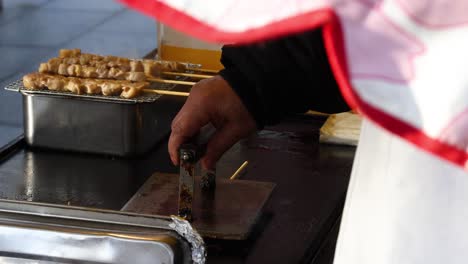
(188,160)
(189,155)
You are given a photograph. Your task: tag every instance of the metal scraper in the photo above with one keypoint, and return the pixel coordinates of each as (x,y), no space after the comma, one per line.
(190,154)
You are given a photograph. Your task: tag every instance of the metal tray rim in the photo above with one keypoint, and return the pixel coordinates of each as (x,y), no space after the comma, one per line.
(173,223)
(84,214)
(17,86)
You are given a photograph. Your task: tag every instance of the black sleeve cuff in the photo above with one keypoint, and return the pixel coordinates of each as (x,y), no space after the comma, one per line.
(246,93)
(282,77)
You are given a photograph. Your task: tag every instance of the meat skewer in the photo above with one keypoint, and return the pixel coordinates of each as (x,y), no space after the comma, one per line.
(73,63)
(151,67)
(122,88)
(101,72)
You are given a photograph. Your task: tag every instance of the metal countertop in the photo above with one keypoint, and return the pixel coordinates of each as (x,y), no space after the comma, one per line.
(311,183)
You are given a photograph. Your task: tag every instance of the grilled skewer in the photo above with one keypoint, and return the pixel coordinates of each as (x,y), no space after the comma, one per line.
(150,67)
(76,70)
(101,71)
(73,63)
(83,73)
(122,88)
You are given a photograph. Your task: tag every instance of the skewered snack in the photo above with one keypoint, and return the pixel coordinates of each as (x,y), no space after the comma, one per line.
(83,60)
(125,89)
(101,71)
(84,73)
(155,67)
(150,67)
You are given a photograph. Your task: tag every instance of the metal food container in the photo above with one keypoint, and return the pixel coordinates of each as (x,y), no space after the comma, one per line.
(39,233)
(95,123)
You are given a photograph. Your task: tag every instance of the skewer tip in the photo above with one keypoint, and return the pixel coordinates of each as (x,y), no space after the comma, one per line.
(239,170)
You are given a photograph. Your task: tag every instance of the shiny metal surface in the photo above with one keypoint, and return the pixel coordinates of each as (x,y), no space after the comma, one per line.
(57,234)
(311,181)
(59,177)
(188,159)
(93,126)
(190,154)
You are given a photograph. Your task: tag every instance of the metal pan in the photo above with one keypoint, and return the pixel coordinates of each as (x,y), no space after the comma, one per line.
(96,124)
(38,233)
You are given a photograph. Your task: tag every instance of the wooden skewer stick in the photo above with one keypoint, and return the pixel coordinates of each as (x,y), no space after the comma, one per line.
(192,75)
(239,170)
(203,70)
(170,81)
(166,92)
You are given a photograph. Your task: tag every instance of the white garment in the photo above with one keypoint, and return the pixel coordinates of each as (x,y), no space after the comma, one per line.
(403,205)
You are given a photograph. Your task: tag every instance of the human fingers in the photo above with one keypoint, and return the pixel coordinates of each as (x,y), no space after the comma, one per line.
(186,124)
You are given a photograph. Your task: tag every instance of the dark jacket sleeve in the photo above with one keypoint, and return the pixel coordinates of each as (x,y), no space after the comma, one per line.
(282,77)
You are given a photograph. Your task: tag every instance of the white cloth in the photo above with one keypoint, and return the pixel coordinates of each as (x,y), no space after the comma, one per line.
(403,205)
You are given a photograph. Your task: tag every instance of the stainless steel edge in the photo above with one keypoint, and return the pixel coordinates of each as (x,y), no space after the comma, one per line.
(33,232)
(85,214)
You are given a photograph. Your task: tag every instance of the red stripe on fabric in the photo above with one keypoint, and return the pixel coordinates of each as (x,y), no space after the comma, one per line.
(415,136)
(180,21)
(335,50)
(334,44)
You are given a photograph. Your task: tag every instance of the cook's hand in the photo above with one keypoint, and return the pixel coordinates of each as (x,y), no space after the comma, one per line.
(211,101)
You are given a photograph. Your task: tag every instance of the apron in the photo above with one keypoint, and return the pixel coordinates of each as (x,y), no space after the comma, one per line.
(403,205)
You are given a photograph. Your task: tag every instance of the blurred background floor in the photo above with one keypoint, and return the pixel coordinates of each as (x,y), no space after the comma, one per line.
(32,31)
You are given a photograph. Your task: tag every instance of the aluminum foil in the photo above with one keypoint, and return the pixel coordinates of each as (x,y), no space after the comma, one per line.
(183,228)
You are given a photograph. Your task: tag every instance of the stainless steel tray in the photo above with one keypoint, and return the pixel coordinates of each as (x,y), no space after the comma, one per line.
(39,233)
(96,124)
